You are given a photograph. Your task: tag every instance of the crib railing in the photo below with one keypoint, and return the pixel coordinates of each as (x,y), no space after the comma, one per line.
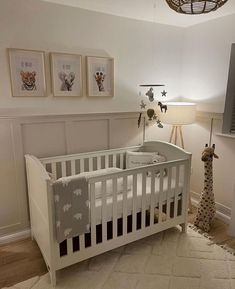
(85,162)
(160,212)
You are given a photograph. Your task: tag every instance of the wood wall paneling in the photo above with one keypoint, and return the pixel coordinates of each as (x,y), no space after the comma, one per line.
(50,136)
(9,194)
(43,139)
(89,135)
(125,132)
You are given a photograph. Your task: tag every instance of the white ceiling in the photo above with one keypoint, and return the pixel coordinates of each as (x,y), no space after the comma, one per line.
(147,10)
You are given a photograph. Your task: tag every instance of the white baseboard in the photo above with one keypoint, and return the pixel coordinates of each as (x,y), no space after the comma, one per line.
(15,237)
(223,213)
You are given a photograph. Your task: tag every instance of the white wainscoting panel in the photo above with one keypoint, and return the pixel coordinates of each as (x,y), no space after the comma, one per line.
(125,132)
(9,195)
(88,135)
(50,135)
(44,138)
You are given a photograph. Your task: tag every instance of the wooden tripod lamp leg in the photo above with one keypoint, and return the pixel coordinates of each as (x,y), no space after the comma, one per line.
(176,134)
(181,136)
(172,133)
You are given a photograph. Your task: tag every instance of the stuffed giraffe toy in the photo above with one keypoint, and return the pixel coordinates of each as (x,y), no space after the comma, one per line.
(206,208)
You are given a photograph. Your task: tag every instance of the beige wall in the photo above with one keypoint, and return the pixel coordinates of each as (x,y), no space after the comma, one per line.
(206,56)
(142,51)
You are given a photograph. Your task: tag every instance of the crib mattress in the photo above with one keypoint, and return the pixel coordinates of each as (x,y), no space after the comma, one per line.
(109,199)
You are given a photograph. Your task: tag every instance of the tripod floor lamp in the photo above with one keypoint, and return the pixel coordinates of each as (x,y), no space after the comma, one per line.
(177,115)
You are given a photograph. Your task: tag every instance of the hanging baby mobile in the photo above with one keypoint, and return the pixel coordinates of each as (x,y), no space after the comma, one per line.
(151,113)
(206,209)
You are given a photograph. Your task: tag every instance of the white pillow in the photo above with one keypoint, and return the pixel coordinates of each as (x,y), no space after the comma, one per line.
(139,159)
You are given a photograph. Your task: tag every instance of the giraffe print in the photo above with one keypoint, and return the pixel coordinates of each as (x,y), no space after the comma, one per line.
(99,77)
(206,208)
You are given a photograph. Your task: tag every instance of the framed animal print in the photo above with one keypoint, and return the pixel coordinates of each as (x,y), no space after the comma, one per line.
(100,76)
(27,70)
(66,70)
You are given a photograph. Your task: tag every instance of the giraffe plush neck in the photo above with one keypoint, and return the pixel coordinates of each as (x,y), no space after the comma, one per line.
(206,208)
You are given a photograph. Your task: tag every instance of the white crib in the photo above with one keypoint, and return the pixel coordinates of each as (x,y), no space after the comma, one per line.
(115,220)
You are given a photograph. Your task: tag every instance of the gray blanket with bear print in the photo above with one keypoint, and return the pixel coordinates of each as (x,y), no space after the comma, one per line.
(72,214)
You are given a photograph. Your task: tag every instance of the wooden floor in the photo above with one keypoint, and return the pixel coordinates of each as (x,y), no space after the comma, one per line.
(22,260)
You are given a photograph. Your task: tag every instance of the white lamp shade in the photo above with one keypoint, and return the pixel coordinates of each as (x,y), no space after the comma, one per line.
(179,113)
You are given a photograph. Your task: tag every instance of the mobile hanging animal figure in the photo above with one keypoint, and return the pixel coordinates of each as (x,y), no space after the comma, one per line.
(206,209)
(162,106)
(150,94)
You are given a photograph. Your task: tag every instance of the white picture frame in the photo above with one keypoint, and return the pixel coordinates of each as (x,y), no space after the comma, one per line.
(66,74)
(27,72)
(100,76)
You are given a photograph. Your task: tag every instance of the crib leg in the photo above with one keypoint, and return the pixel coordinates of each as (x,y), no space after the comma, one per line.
(184,227)
(53,277)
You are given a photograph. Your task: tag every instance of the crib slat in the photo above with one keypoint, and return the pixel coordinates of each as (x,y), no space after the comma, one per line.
(90,165)
(98,163)
(69,246)
(152,202)
(82,242)
(93,217)
(104,204)
(168,202)
(58,252)
(114,160)
(143,211)
(53,170)
(63,169)
(114,208)
(121,161)
(106,157)
(124,205)
(134,216)
(81,165)
(73,168)
(160,195)
(176,191)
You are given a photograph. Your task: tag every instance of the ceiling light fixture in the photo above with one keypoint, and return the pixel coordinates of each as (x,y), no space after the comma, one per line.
(193,7)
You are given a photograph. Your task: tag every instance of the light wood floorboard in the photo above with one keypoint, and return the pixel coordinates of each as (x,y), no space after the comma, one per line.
(20,261)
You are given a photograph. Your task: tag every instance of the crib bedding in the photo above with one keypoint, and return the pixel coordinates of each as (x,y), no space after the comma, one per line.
(71,202)
(109,198)
(71,199)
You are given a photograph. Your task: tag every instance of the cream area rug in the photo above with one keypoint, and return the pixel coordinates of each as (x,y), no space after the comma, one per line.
(167,260)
